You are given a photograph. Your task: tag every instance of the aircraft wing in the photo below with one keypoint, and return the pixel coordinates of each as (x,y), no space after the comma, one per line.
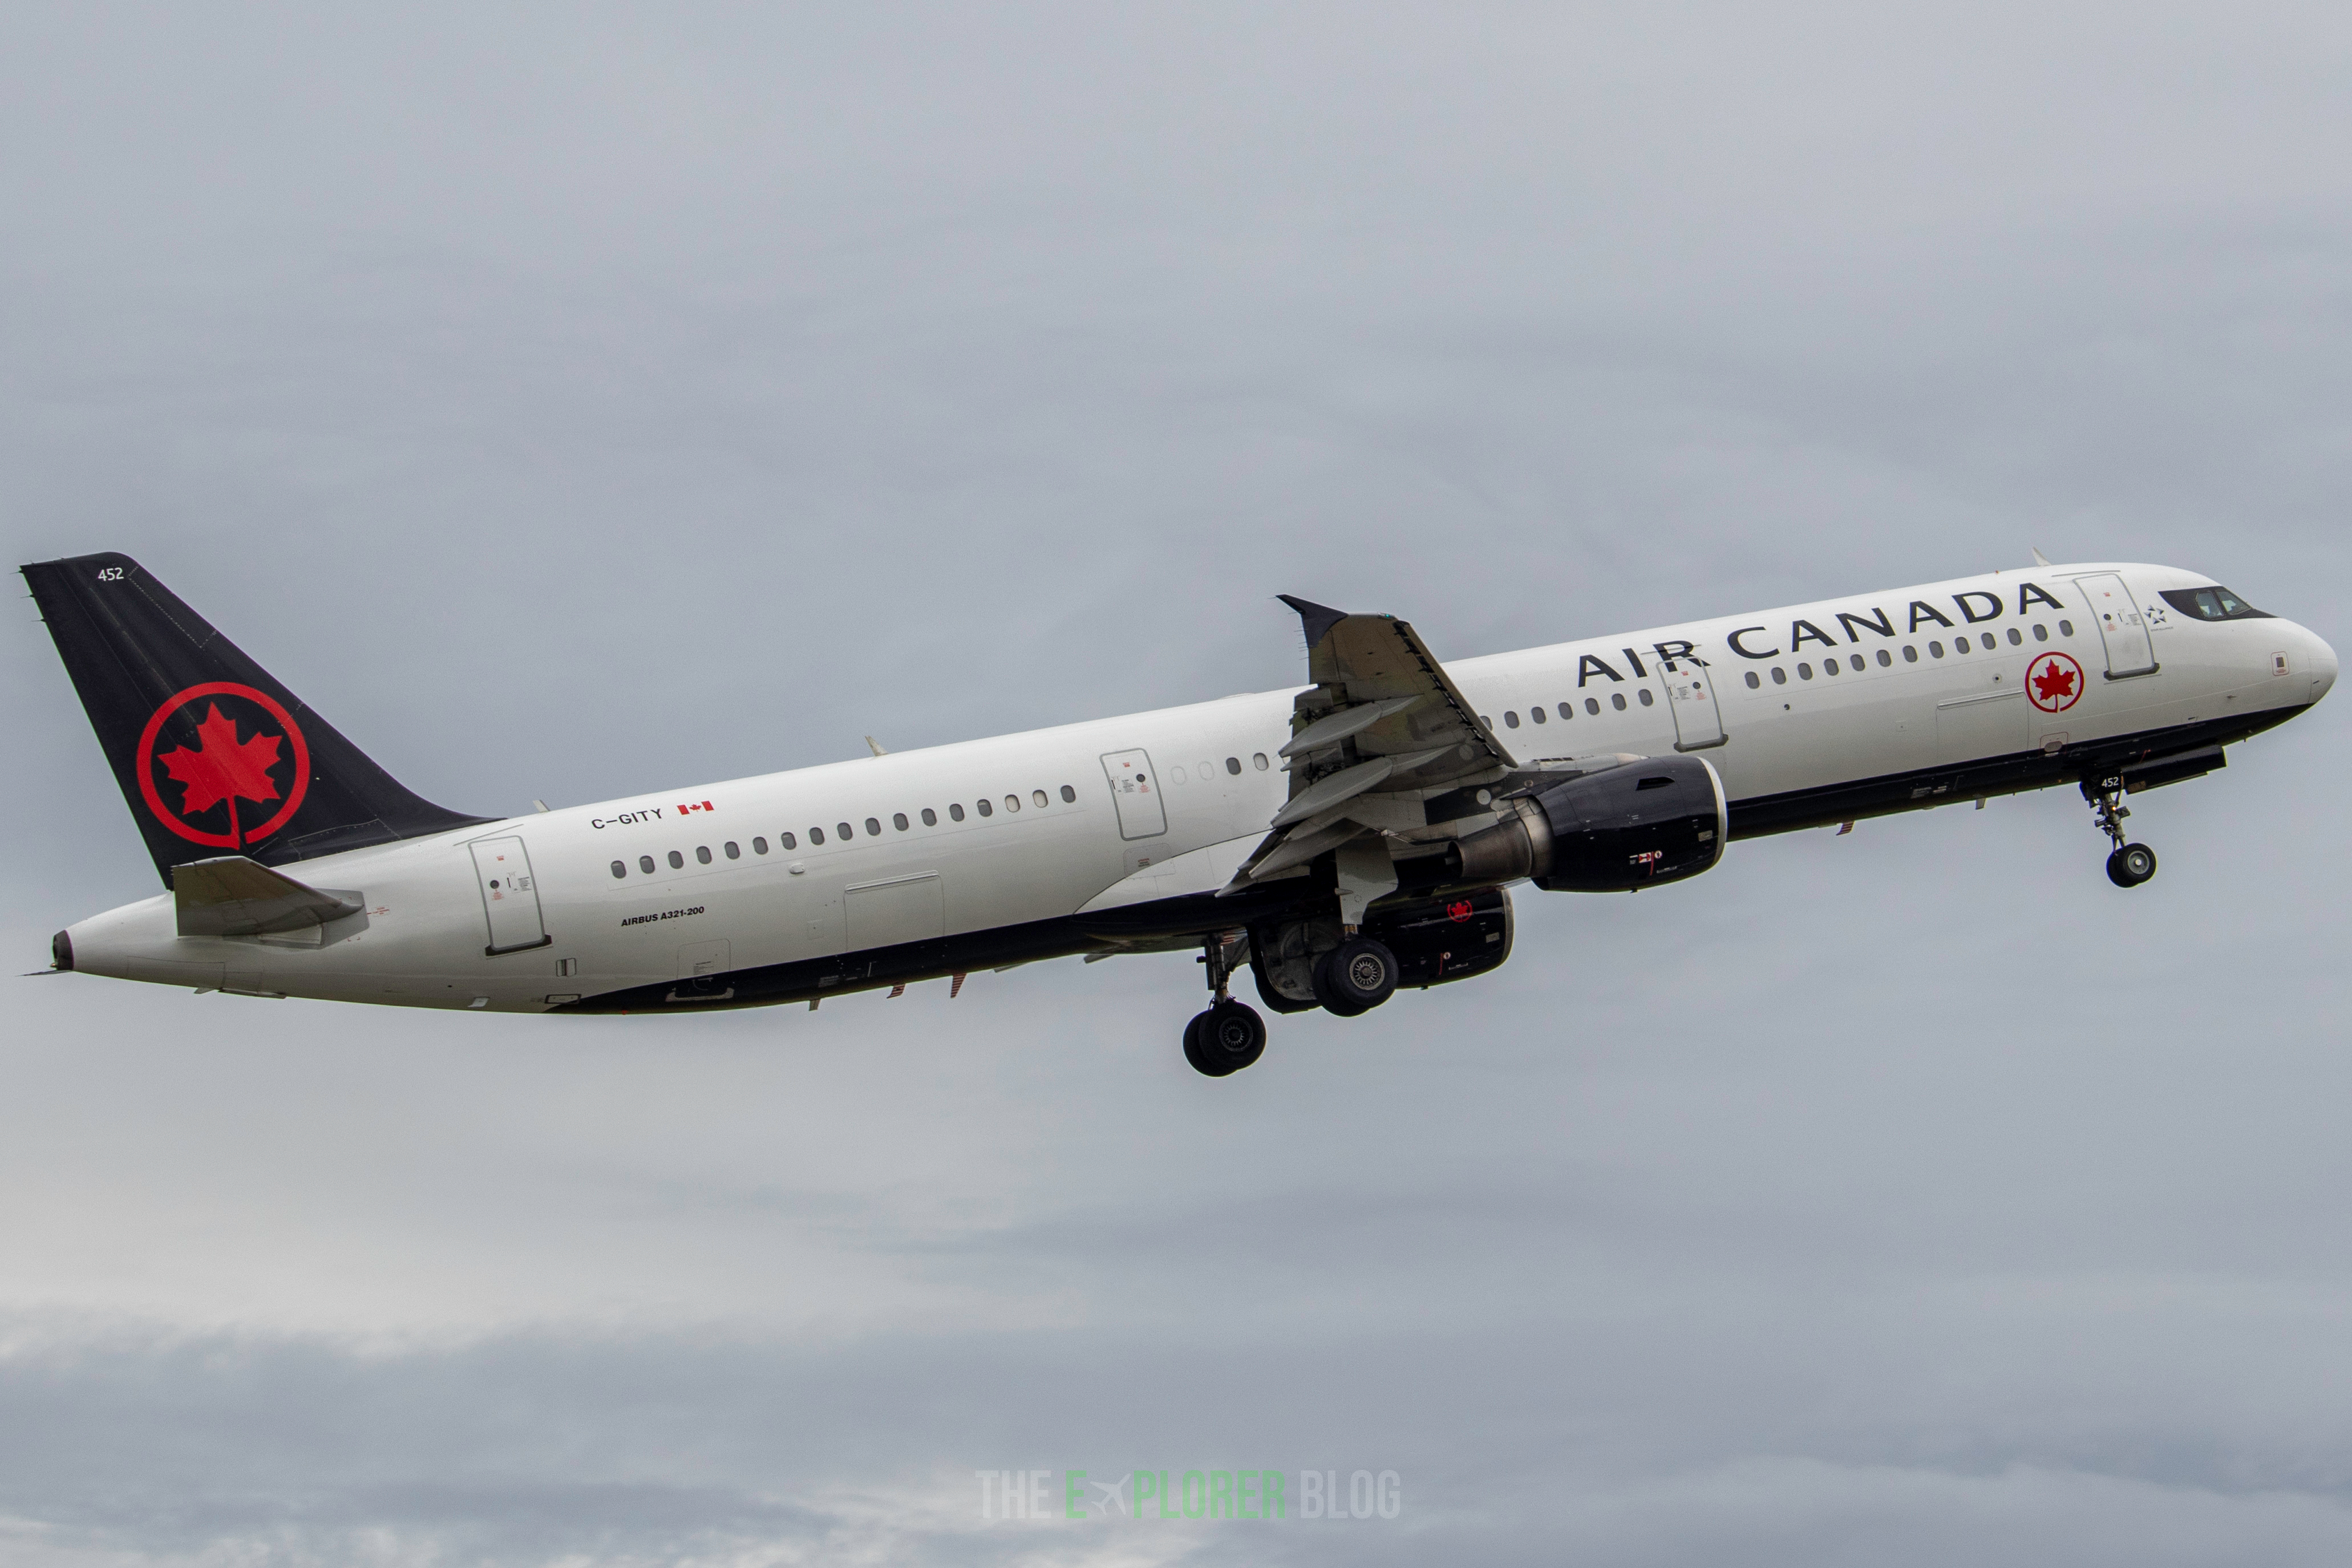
(1381,733)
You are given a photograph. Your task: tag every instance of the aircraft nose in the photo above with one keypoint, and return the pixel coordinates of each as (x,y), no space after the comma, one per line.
(2322,665)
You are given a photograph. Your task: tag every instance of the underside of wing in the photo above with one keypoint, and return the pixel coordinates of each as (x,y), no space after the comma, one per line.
(1385,756)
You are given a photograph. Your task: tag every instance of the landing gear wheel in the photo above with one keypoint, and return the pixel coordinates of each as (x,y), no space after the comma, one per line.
(2131,865)
(1355,976)
(1226,1039)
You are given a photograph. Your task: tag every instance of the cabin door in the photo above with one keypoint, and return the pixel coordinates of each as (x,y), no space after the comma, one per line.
(1690,693)
(2122,628)
(510,895)
(1135,788)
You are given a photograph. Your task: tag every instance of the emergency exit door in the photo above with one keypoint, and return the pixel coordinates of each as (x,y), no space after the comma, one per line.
(2122,628)
(510,895)
(1690,693)
(1135,790)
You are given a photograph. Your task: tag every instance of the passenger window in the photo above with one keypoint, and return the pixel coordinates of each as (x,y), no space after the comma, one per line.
(645,864)
(844,829)
(734,852)
(1829,665)
(1779,676)
(1177,773)
(1854,659)
(676,860)
(1617,700)
(1537,714)
(1488,723)
(789,842)
(1206,769)
(1804,672)
(1592,704)
(620,868)
(899,821)
(816,835)
(1885,658)
(872,829)
(702,853)
(2016,637)
(1960,644)
(2040,632)
(759,846)
(930,818)
(1258,761)
(955,813)
(984,808)
(1069,796)
(1232,765)
(1567,710)
(1935,649)
(1646,698)
(2065,628)
(1985,638)
(1037,797)
(1013,802)
(1510,719)
(1910,655)
(1753,681)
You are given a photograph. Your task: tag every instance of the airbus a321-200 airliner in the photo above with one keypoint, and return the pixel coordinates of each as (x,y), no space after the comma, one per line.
(1340,840)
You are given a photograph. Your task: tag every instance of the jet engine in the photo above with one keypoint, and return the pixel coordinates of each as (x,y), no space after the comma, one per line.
(1627,825)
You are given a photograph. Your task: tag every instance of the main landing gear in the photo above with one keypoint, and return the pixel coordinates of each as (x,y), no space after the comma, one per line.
(2130,864)
(1230,1035)
(1354,978)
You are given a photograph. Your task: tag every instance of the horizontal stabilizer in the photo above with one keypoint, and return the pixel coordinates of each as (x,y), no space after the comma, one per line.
(233,896)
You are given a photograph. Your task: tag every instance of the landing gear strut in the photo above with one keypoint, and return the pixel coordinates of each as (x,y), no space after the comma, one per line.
(2130,864)
(1230,1035)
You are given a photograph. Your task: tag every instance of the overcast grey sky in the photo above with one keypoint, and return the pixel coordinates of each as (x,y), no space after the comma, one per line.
(570,402)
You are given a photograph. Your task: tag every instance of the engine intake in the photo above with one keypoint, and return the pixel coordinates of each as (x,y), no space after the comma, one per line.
(1634,825)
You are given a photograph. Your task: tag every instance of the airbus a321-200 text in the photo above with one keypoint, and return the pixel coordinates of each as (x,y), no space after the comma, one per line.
(1339,842)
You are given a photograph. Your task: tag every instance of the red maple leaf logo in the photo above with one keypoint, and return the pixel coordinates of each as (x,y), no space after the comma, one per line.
(222,768)
(1458,912)
(2053,681)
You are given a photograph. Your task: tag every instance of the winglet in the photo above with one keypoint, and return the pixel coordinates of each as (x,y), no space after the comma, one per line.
(1318,618)
(2039,559)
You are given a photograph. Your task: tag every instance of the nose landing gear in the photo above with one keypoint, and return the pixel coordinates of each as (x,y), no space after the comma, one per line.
(1230,1035)
(2130,864)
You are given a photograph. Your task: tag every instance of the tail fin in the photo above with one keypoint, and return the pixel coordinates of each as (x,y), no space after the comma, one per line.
(213,755)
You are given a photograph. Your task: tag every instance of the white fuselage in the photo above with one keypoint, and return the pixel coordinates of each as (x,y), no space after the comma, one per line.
(765,874)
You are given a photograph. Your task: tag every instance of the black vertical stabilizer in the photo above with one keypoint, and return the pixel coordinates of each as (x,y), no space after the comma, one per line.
(214,754)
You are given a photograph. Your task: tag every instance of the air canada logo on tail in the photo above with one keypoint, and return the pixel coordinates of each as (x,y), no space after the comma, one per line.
(223,765)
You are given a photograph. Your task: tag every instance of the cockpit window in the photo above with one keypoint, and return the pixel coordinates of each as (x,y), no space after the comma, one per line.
(2213,604)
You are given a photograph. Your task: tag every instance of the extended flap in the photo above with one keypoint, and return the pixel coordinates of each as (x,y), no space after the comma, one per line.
(233,896)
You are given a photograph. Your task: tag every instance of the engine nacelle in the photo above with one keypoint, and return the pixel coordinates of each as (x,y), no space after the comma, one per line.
(1629,826)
